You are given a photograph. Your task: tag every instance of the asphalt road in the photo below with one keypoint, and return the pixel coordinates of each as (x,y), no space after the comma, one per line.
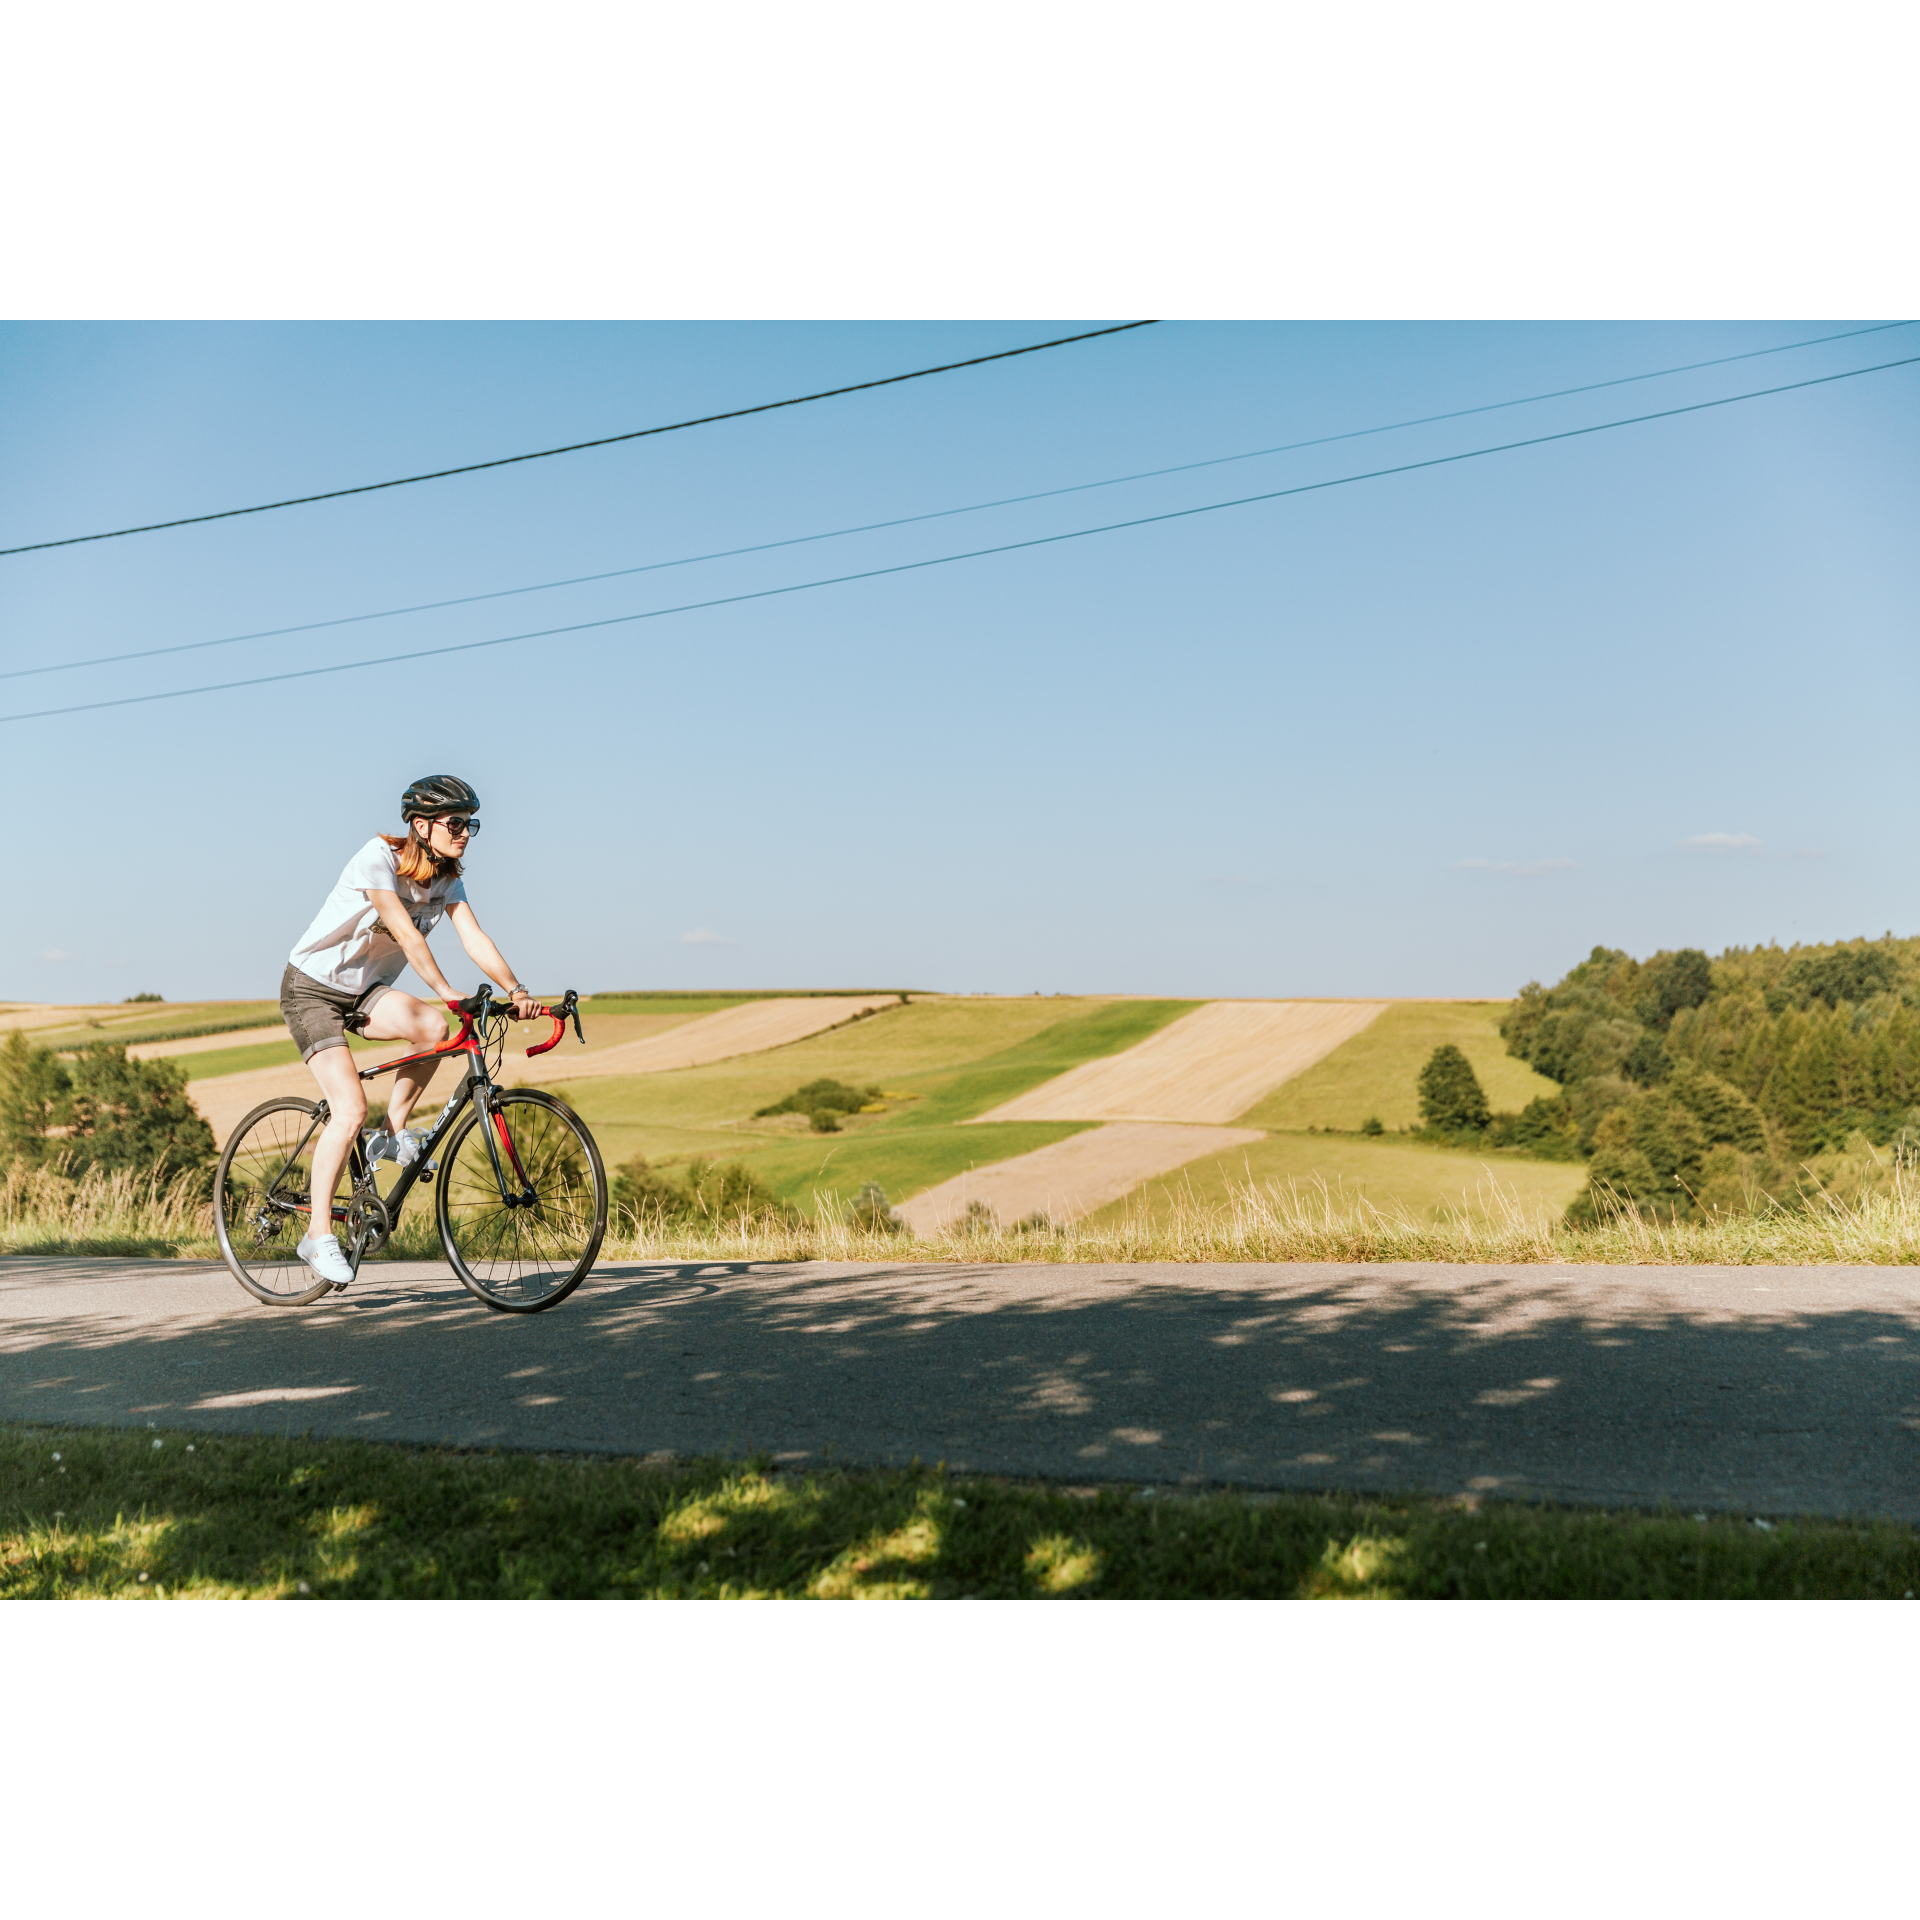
(1747,1389)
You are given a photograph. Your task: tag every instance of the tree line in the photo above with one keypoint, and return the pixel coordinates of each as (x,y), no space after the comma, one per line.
(1701,1084)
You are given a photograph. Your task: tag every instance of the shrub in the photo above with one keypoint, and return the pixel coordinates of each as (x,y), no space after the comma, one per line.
(824,1120)
(1450,1094)
(706,1193)
(822,1096)
(872,1214)
(105,1111)
(141,999)
(1545,1127)
(1371,1126)
(978,1218)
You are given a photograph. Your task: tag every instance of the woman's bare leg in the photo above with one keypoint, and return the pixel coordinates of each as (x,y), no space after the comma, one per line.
(421,1023)
(394,1016)
(346,1100)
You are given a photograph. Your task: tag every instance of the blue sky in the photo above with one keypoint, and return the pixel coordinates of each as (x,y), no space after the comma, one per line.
(1431,734)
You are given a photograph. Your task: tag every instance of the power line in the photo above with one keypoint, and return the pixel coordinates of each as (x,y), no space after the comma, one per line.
(914,519)
(977,553)
(579,446)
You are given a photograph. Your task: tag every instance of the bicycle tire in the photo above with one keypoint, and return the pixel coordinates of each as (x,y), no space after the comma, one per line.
(258,1226)
(523,1259)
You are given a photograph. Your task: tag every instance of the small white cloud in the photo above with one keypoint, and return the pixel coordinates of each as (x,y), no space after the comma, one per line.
(706,937)
(1720,842)
(57,954)
(1524,867)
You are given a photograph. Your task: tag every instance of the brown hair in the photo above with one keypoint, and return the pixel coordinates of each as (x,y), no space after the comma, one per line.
(416,861)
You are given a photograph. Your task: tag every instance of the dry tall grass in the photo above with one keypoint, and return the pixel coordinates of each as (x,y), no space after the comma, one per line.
(1291,1222)
(42,1211)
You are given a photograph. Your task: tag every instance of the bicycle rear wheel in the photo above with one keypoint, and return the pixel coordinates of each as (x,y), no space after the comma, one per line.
(262,1202)
(522,1255)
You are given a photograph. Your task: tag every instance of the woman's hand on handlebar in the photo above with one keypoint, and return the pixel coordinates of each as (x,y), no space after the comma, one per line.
(525,1006)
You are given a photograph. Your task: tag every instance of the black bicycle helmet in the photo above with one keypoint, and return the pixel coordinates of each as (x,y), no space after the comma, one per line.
(437,793)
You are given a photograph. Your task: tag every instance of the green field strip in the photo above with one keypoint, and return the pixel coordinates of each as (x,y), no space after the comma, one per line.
(981,1085)
(1427,1182)
(1377,1072)
(902,1163)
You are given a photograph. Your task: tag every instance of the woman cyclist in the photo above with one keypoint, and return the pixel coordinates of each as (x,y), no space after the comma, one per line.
(340,976)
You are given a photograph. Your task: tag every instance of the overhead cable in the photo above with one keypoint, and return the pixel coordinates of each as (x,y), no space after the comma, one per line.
(914,519)
(977,553)
(578,446)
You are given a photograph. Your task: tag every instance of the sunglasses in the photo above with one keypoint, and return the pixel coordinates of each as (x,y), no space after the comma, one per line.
(458,823)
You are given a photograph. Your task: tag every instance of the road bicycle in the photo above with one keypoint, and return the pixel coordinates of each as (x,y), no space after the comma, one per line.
(520,1192)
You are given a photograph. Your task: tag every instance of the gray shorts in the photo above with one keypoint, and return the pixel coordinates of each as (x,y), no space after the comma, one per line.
(319,1016)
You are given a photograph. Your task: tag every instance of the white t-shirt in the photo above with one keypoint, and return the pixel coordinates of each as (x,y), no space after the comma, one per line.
(348,946)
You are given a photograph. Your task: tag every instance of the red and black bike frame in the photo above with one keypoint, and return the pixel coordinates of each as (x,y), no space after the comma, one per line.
(478,1085)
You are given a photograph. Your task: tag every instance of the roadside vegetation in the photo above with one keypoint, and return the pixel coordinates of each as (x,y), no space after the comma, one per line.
(98,1513)
(716,1211)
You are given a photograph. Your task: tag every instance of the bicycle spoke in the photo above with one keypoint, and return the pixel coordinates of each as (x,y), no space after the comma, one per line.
(523,1257)
(264,1201)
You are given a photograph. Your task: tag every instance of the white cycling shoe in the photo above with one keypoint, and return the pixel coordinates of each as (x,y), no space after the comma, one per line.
(321,1251)
(403,1148)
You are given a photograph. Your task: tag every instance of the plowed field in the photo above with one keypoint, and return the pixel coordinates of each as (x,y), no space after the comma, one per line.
(1209,1066)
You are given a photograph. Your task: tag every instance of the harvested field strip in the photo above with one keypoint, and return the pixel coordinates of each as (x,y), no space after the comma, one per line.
(1072,1177)
(226,1101)
(1208,1067)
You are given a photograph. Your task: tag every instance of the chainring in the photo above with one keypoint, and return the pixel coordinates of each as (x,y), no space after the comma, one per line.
(368,1225)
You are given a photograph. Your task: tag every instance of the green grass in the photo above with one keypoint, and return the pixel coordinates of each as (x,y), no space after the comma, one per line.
(98,1513)
(1377,1071)
(955,1057)
(223,1060)
(1426,1182)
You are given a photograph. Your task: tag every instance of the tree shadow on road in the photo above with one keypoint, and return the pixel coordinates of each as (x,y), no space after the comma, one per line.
(1595,1385)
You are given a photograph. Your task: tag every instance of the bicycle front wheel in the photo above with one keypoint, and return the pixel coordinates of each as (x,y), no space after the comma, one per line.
(262,1202)
(526,1248)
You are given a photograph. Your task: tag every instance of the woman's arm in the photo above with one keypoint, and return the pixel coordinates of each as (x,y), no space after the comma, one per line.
(489,959)
(412,941)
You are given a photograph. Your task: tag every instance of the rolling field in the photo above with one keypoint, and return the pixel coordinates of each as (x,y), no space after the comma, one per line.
(953,1058)
(1378,1070)
(970,1083)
